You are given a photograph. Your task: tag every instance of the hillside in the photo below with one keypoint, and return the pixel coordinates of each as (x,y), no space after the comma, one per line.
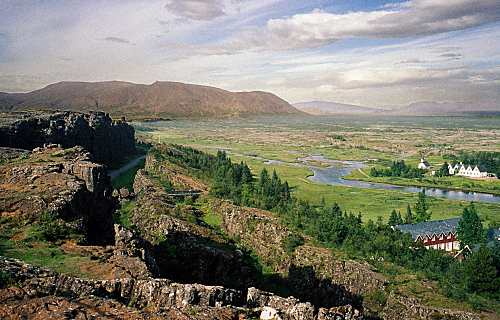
(160,99)
(327,107)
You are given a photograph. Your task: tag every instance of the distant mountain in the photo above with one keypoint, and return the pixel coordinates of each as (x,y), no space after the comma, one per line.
(414,109)
(326,107)
(160,99)
(445,108)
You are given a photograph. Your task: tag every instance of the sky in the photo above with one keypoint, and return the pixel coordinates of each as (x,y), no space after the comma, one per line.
(365,52)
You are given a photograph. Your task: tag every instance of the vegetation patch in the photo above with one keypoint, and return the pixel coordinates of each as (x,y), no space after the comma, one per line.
(126,179)
(123,215)
(333,227)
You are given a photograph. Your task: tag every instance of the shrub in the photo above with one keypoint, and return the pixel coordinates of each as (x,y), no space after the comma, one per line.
(292,241)
(50,229)
(5,280)
(377,297)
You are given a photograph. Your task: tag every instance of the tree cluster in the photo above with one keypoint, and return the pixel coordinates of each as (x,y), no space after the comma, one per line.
(332,227)
(233,180)
(443,171)
(398,169)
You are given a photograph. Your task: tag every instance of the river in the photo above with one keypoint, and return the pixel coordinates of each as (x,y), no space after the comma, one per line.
(335,171)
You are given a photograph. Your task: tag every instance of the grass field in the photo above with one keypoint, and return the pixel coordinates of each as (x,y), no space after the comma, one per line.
(376,141)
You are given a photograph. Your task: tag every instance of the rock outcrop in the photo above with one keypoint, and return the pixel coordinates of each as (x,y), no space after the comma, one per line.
(108,141)
(134,254)
(61,182)
(314,271)
(185,248)
(149,297)
(411,308)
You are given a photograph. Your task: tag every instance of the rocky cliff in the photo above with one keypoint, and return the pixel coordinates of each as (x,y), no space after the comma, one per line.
(313,272)
(61,182)
(41,292)
(108,141)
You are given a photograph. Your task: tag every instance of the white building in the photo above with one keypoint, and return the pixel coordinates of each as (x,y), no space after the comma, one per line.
(453,169)
(468,171)
(424,165)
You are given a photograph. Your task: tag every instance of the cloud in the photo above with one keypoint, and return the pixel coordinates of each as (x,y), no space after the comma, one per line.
(117,40)
(452,56)
(412,18)
(412,61)
(196,9)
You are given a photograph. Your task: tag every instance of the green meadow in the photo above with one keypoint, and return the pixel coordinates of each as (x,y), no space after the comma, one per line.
(375,141)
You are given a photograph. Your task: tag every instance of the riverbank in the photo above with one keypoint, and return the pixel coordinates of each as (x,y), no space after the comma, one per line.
(447,183)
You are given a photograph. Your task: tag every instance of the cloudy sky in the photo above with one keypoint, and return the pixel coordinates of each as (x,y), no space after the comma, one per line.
(367,52)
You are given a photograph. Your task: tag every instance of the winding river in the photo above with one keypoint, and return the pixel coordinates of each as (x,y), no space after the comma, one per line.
(336,170)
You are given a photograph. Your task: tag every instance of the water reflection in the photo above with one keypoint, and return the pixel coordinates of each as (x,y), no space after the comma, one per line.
(335,170)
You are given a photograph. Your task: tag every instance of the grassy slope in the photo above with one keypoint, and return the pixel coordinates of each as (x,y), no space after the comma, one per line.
(23,243)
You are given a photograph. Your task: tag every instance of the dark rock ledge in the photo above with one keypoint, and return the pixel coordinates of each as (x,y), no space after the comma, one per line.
(161,295)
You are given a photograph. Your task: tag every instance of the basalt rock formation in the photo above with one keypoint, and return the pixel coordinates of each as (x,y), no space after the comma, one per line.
(186,249)
(60,182)
(307,271)
(38,290)
(107,141)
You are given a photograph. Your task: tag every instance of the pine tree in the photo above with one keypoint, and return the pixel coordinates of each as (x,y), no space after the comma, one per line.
(400,219)
(335,210)
(481,271)
(264,182)
(393,219)
(443,171)
(422,208)
(470,229)
(409,215)
(322,203)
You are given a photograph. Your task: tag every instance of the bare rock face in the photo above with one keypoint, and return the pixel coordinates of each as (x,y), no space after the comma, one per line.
(413,309)
(108,141)
(312,271)
(134,254)
(275,307)
(61,182)
(159,297)
(186,251)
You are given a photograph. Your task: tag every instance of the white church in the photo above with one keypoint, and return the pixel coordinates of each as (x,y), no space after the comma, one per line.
(462,170)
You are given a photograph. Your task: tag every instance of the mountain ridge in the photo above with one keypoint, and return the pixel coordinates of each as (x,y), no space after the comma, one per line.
(159,99)
(329,108)
(420,108)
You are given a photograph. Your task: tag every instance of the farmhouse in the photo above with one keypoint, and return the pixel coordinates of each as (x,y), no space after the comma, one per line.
(467,171)
(438,234)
